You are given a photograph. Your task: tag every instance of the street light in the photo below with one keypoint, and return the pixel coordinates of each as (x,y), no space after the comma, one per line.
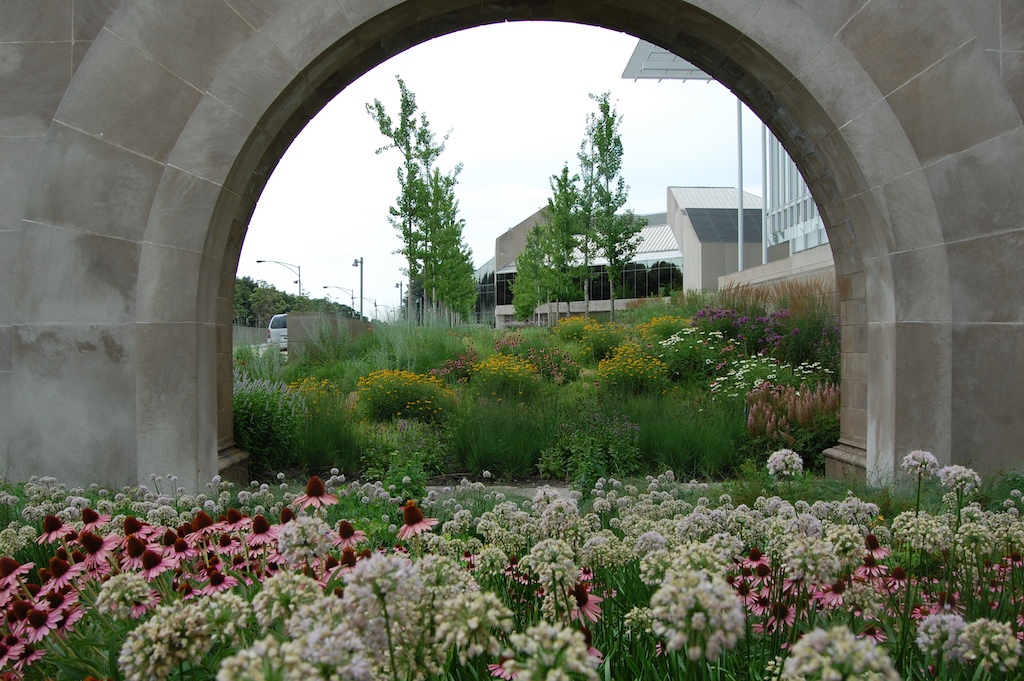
(359,263)
(351,293)
(294,268)
(401,298)
(374,307)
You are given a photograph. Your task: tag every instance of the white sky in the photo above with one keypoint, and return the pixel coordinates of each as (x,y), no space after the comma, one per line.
(515,97)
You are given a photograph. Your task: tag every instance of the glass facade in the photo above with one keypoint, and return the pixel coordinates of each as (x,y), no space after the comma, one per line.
(640,279)
(791,212)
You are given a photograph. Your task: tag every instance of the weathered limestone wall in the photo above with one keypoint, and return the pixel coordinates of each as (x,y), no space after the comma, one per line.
(135,138)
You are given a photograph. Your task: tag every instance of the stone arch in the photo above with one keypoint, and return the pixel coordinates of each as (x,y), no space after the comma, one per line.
(174,119)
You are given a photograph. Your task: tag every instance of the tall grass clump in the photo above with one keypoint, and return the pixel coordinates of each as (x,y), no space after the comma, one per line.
(327,341)
(329,437)
(694,439)
(417,349)
(268,418)
(505,438)
(259,364)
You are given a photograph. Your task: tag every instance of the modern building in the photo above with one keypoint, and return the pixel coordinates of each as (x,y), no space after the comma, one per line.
(656,270)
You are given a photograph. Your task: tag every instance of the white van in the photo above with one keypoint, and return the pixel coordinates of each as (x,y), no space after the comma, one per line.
(277,332)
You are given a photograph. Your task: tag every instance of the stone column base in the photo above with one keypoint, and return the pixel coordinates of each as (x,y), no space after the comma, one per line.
(233,465)
(846,462)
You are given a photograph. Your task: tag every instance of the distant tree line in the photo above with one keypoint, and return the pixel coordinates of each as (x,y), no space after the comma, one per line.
(257,301)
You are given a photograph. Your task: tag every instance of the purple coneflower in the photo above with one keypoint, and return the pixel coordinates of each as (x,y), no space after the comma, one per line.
(154,564)
(316,495)
(11,569)
(218,582)
(97,550)
(93,520)
(415,523)
(587,607)
(348,535)
(500,671)
(62,573)
(262,533)
(38,623)
(54,529)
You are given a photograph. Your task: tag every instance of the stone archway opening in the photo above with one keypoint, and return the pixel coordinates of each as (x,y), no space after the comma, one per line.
(139,170)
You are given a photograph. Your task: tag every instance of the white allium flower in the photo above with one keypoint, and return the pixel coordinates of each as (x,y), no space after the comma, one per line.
(698,613)
(938,635)
(282,594)
(549,652)
(813,560)
(304,539)
(469,620)
(174,635)
(920,463)
(835,655)
(989,644)
(785,463)
(647,542)
(923,531)
(960,479)
(124,592)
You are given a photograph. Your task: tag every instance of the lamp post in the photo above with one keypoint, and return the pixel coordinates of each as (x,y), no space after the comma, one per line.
(374,307)
(350,292)
(294,268)
(401,298)
(359,263)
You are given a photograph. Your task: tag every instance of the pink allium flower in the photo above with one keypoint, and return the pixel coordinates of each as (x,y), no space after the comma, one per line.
(415,523)
(316,495)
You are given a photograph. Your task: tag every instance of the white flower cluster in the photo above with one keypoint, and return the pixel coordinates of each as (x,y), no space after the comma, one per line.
(837,654)
(173,636)
(785,463)
(921,464)
(549,652)
(811,560)
(990,644)
(938,635)
(304,539)
(698,613)
(960,479)
(468,622)
(122,592)
(923,531)
(282,594)
(552,561)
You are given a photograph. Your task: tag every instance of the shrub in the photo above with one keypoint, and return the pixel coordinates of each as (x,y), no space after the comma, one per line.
(693,354)
(457,370)
(384,395)
(329,438)
(504,376)
(602,339)
(574,328)
(401,446)
(598,445)
(630,370)
(804,420)
(659,328)
(267,419)
(747,373)
(553,364)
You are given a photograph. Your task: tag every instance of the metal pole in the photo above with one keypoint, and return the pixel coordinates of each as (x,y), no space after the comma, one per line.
(360,288)
(764,194)
(739,210)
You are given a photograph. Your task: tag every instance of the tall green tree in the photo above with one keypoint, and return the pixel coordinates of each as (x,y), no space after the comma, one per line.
(562,227)
(426,213)
(534,274)
(616,235)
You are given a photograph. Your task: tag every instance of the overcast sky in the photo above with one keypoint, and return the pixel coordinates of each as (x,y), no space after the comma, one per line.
(515,98)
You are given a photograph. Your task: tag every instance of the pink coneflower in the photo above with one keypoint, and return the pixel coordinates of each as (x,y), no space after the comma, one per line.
(235,521)
(228,545)
(38,623)
(11,569)
(832,596)
(134,548)
(755,559)
(54,529)
(92,520)
(10,649)
(897,579)
(97,548)
(500,670)
(587,607)
(870,569)
(60,600)
(415,523)
(180,551)
(28,655)
(316,495)
(154,564)
(781,614)
(218,582)
(262,533)
(588,638)
(348,535)
(874,633)
(62,573)
(69,617)
(875,550)
(133,525)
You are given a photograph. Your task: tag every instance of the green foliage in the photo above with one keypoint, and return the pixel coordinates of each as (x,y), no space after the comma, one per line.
(409,347)
(804,420)
(632,371)
(535,278)
(505,438)
(596,445)
(268,417)
(693,355)
(329,438)
(257,301)
(406,446)
(251,362)
(574,328)
(384,395)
